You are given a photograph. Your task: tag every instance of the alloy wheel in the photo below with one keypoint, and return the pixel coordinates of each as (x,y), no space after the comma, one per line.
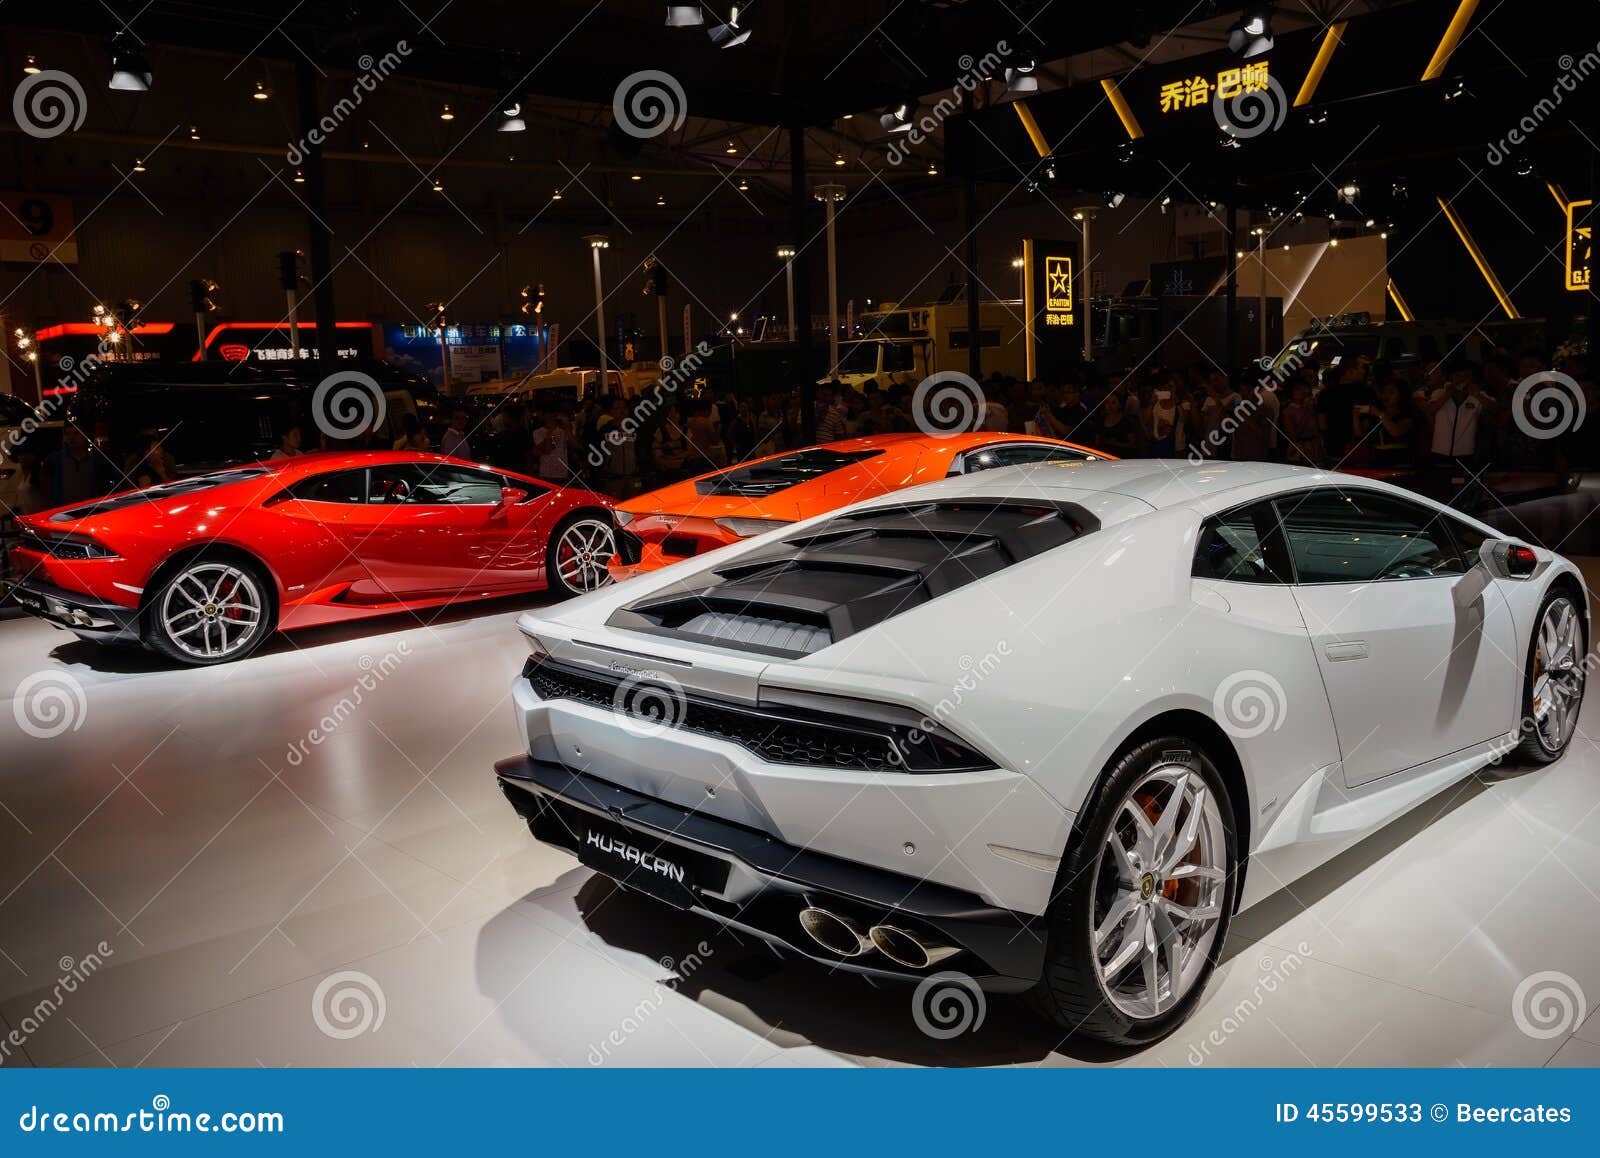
(1160,884)
(1557,675)
(212,610)
(582,553)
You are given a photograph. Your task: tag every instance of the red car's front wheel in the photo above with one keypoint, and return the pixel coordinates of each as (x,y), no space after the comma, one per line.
(210,610)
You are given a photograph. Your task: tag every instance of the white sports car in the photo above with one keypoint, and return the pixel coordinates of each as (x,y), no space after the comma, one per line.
(1049,725)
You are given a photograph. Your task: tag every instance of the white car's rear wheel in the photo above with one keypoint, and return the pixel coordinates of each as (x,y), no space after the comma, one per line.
(1144,899)
(1553,688)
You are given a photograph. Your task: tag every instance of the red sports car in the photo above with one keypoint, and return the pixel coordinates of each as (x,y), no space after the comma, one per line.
(202,570)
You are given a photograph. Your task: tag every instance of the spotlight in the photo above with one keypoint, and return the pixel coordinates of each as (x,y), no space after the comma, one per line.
(1229,141)
(1455,90)
(1113,199)
(1370,223)
(897,118)
(933,170)
(1251,34)
(438,185)
(1349,191)
(511,120)
(262,93)
(728,35)
(445,114)
(685,16)
(556,196)
(635,177)
(1316,116)
(1020,80)
(194,132)
(732,150)
(138,164)
(299,177)
(130,71)
(744,186)
(1333,243)
(1166,203)
(31,66)
(1286,247)
(598,241)
(838,160)
(1524,168)
(661,199)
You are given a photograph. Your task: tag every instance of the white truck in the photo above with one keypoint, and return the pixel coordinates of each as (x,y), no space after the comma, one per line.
(905,344)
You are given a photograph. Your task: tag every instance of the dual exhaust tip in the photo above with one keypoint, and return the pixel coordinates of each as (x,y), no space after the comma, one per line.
(843,937)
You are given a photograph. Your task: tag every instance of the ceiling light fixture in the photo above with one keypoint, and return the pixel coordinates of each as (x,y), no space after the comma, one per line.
(130,71)
(31,66)
(1251,34)
(728,35)
(511,120)
(262,93)
(685,16)
(445,114)
(897,118)
(1020,80)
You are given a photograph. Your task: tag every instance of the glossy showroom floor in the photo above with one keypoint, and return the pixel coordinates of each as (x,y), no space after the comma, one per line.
(206,871)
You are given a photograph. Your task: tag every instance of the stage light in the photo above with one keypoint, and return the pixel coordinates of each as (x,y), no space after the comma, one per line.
(445,114)
(138,164)
(262,92)
(897,118)
(1251,34)
(1349,191)
(130,71)
(438,185)
(299,177)
(732,150)
(1126,151)
(661,199)
(194,132)
(744,186)
(556,196)
(838,160)
(933,170)
(1113,199)
(1020,78)
(598,241)
(685,16)
(728,35)
(511,119)
(1455,90)
(31,66)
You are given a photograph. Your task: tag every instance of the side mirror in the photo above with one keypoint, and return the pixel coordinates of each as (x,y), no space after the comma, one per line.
(511,496)
(1505,559)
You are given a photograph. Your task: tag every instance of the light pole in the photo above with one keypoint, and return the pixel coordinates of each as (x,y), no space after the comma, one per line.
(1084,214)
(786,255)
(831,195)
(597,242)
(1020,264)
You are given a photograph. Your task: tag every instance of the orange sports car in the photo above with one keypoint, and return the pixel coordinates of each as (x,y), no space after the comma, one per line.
(701,514)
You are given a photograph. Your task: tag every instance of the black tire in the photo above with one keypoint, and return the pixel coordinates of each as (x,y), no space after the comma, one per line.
(1534,747)
(1070,992)
(224,630)
(596,521)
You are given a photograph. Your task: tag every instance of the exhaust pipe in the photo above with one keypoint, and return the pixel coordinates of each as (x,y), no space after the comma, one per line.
(910,949)
(834,933)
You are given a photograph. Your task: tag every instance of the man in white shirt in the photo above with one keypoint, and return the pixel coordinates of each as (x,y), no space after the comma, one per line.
(1456,409)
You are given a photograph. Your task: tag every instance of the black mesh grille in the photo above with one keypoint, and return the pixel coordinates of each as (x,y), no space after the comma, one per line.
(777,735)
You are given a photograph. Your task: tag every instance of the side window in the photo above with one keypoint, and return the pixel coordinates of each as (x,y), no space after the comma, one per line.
(1014,454)
(340,486)
(1359,536)
(424,484)
(1241,546)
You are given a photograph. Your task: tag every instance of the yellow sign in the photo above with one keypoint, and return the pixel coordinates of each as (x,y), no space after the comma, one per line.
(1058,290)
(1197,91)
(1579,242)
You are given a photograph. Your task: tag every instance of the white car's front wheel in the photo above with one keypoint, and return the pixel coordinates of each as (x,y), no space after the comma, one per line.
(1144,898)
(1553,685)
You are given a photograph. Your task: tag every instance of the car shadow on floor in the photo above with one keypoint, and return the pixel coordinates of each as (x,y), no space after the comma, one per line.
(131,659)
(793,1001)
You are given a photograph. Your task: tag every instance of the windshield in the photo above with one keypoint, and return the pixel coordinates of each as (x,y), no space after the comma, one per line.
(859,358)
(765,478)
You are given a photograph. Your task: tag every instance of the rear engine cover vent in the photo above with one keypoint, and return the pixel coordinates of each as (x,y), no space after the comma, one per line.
(853,572)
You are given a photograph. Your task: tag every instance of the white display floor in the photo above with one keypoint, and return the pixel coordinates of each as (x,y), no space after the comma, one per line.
(267,894)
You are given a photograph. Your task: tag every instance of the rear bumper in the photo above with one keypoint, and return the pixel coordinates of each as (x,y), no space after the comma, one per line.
(757,884)
(82,614)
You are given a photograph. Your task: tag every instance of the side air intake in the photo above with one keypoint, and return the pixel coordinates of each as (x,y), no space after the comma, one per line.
(853,572)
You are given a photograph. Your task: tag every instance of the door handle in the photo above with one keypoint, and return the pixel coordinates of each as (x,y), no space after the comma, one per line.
(1355,649)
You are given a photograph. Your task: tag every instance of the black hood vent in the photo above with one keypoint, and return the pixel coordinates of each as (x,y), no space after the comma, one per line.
(853,572)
